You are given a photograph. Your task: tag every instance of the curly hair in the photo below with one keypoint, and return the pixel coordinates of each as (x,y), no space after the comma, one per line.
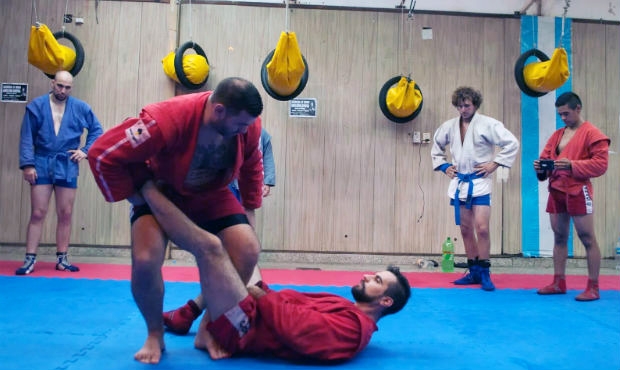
(465,92)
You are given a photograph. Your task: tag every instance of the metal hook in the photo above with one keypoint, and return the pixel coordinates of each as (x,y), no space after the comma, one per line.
(411,7)
(566,6)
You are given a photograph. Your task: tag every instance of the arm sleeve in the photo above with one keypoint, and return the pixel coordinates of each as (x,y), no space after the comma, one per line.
(438,151)
(594,166)
(94,130)
(443,168)
(251,171)
(118,157)
(26,141)
(508,143)
(269,165)
(323,336)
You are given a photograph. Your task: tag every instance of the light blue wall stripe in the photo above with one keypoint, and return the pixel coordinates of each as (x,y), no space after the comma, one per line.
(533,200)
(529,150)
(566,42)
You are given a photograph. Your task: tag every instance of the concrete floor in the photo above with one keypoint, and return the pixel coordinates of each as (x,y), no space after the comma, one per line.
(335,261)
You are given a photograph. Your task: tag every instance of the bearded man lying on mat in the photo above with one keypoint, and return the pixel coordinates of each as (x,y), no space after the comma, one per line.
(256,320)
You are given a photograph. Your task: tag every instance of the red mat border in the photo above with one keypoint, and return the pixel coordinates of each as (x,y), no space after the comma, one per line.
(307,277)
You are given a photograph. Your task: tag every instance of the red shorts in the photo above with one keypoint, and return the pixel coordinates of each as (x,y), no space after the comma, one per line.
(574,204)
(230,329)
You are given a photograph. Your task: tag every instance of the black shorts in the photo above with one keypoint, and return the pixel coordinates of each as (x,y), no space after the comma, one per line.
(212,226)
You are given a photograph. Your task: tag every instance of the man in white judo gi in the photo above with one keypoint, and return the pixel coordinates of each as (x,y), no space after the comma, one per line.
(472,138)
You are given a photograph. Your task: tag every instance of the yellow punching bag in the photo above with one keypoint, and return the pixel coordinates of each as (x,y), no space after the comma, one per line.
(45,53)
(286,68)
(191,70)
(548,75)
(403,99)
(400,99)
(538,78)
(195,67)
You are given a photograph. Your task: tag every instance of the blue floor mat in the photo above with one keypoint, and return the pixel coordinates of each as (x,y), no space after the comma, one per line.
(79,324)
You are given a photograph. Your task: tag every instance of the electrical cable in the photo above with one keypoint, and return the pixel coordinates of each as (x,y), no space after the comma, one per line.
(419,182)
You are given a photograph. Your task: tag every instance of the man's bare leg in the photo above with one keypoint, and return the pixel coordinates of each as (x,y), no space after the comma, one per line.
(468,233)
(65,197)
(221,286)
(482,216)
(585,229)
(560,224)
(40,196)
(243,247)
(147,286)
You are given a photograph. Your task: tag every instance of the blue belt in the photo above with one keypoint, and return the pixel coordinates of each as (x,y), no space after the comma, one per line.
(56,170)
(468,178)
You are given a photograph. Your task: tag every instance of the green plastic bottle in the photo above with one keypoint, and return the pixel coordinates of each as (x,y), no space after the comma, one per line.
(447,260)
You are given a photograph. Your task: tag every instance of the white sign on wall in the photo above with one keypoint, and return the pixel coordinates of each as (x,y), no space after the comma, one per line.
(302,107)
(14,92)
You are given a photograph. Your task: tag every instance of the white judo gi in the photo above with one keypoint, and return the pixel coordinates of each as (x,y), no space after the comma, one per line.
(482,136)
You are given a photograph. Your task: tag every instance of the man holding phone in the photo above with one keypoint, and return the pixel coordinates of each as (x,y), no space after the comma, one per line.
(572,156)
(546,164)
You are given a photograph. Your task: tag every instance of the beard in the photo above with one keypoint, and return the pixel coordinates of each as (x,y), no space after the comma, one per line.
(60,97)
(222,129)
(360,295)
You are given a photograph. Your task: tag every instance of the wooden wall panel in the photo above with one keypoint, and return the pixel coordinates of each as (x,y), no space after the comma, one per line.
(609,198)
(491,83)
(348,180)
(103,43)
(426,189)
(272,215)
(383,146)
(511,101)
(344,154)
(589,83)
(409,159)
(366,145)
(14,33)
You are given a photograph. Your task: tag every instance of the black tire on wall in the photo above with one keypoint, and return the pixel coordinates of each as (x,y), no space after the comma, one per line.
(264,78)
(520,65)
(383,103)
(178,65)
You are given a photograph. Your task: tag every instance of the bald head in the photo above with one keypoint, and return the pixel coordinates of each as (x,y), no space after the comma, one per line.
(63,75)
(61,86)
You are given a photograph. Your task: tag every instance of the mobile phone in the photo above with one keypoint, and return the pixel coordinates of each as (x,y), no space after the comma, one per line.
(546,164)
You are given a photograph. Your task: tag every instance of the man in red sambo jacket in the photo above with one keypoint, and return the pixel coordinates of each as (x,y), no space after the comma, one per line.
(256,320)
(193,145)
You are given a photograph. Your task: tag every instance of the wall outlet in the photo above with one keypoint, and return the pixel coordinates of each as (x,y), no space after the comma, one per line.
(416,137)
(426,137)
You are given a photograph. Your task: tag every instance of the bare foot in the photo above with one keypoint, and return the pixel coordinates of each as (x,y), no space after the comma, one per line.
(151,352)
(205,341)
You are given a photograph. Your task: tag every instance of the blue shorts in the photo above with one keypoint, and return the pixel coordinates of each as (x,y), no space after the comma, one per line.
(62,183)
(483,200)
